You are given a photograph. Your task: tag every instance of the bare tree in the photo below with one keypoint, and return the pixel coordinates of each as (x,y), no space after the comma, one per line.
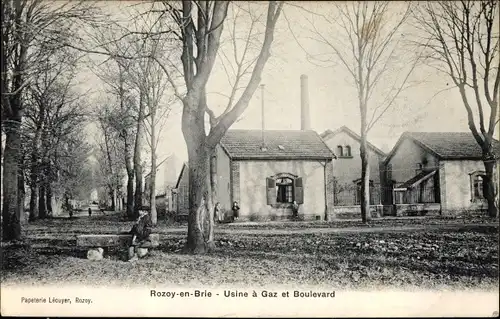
(198,25)
(47,93)
(109,154)
(201,25)
(24,25)
(155,85)
(365,38)
(121,110)
(461,38)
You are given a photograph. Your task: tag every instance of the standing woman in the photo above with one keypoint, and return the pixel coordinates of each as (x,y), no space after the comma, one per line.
(217,213)
(236,211)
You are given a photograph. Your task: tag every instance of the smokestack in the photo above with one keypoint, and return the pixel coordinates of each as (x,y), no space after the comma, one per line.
(305,121)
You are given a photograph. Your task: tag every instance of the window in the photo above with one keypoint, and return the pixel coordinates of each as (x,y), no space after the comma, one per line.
(477,185)
(284,190)
(340,151)
(347,151)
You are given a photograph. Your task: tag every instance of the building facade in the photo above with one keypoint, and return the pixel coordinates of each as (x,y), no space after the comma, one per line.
(433,172)
(345,144)
(167,172)
(266,171)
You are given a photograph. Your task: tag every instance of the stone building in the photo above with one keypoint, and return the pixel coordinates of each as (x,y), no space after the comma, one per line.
(433,172)
(166,177)
(345,144)
(265,171)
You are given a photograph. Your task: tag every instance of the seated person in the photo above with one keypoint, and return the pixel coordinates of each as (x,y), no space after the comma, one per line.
(140,233)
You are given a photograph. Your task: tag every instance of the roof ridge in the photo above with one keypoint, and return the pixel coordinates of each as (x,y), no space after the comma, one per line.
(356,135)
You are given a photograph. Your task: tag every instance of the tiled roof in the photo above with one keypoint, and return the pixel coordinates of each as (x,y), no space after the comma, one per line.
(451,145)
(326,135)
(279,144)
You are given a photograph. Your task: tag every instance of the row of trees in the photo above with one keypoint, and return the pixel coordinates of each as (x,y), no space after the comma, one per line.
(170,50)
(42,111)
(133,109)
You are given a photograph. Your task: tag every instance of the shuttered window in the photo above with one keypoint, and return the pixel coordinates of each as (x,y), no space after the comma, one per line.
(299,191)
(271,191)
(284,190)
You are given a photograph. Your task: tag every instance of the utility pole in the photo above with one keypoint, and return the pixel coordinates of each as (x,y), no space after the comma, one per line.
(263,119)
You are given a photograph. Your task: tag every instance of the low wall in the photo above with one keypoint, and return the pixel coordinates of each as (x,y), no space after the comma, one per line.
(477,212)
(353,212)
(420,209)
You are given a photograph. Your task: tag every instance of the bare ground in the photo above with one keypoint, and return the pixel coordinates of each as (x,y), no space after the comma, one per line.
(395,252)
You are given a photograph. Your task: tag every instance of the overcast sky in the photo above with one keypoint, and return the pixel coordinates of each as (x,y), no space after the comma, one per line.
(333,100)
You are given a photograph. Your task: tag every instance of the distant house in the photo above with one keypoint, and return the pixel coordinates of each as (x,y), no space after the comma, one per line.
(166,177)
(436,172)
(345,144)
(265,171)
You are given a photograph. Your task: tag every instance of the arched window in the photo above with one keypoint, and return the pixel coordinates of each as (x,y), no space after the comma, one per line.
(340,151)
(347,151)
(284,190)
(476,179)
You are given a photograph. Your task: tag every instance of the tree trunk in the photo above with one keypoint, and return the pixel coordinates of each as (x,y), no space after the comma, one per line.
(214,196)
(113,199)
(112,192)
(490,188)
(152,201)
(130,195)
(137,157)
(42,204)
(200,197)
(365,181)
(48,194)
(33,202)
(11,224)
(21,196)
(199,200)
(130,177)
(138,189)
(34,180)
(154,215)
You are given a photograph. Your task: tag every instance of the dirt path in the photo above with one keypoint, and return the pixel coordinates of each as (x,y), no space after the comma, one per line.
(323,230)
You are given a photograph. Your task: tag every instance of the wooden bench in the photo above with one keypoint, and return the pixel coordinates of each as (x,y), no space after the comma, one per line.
(94,243)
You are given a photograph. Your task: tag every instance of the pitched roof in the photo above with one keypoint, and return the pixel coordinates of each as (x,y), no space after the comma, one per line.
(158,165)
(447,145)
(184,169)
(279,144)
(329,133)
(417,179)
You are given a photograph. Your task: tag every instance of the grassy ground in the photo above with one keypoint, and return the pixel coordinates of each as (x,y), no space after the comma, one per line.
(462,257)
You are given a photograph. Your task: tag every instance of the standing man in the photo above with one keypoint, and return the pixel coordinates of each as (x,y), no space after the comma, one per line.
(295,210)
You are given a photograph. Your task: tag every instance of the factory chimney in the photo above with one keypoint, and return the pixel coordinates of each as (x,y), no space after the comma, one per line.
(305,120)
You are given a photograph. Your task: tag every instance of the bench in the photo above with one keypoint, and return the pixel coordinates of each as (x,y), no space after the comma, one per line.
(95,243)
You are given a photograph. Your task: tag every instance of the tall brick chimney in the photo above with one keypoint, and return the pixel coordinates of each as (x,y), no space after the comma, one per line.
(305,120)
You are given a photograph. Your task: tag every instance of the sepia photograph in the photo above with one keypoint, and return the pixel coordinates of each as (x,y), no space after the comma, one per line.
(250,158)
